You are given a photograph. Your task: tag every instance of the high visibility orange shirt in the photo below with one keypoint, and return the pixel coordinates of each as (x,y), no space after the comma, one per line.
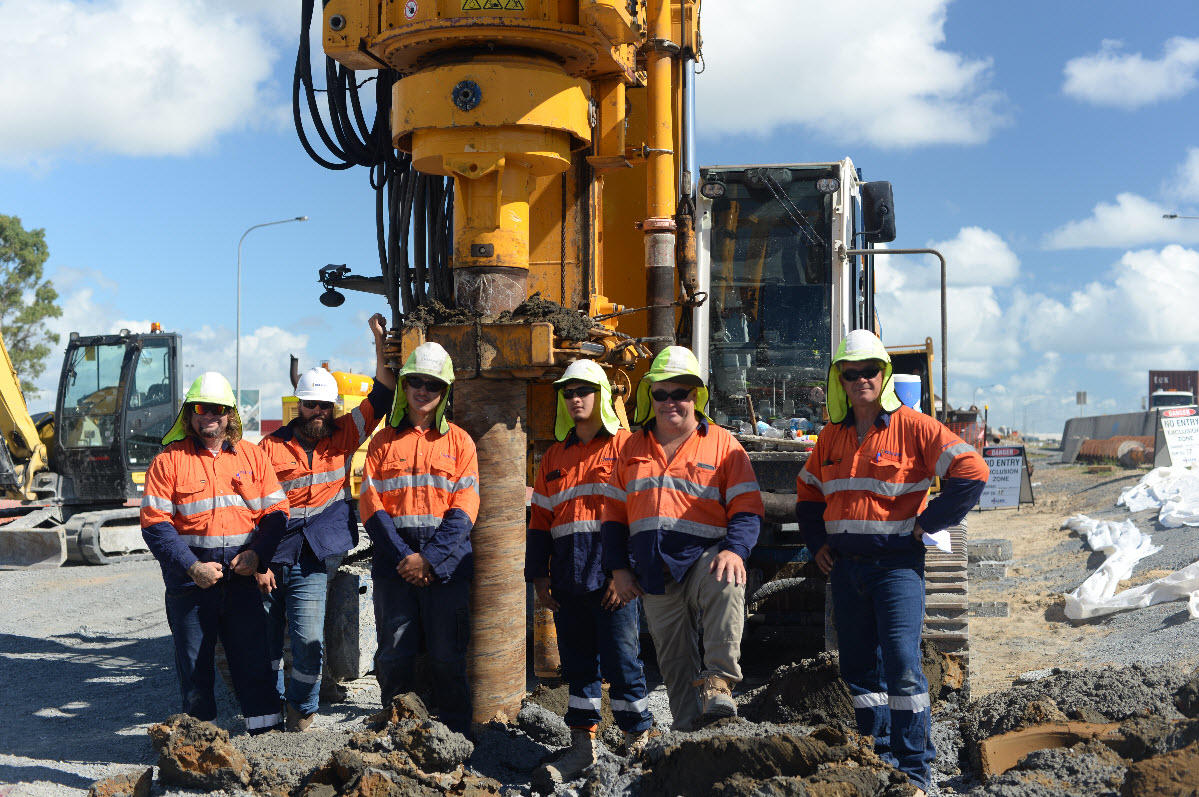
(873,493)
(568,499)
(200,507)
(420,494)
(317,480)
(665,514)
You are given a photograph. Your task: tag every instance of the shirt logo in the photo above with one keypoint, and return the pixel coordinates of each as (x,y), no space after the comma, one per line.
(706,466)
(882,454)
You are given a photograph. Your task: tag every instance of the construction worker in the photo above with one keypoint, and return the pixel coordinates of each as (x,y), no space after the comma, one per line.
(212,514)
(420,498)
(863,508)
(677,533)
(597,631)
(310,457)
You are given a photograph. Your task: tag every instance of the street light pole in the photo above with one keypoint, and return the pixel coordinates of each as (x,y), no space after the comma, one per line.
(1176,216)
(237,344)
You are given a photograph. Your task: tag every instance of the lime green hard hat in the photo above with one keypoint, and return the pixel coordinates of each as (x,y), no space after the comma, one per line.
(427,359)
(673,364)
(590,372)
(210,388)
(857,346)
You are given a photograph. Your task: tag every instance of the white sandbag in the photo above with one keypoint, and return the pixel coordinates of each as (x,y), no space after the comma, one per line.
(1124,545)
(1174,489)
(1183,583)
(1193,605)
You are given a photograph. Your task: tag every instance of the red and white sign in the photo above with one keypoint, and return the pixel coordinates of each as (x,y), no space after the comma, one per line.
(410,9)
(1180,412)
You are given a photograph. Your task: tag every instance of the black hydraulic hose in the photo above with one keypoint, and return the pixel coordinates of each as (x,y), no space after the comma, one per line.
(420,197)
(772,588)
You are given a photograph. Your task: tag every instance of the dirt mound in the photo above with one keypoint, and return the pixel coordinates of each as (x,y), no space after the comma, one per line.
(810,692)
(1174,773)
(568,324)
(1088,768)
(828,760)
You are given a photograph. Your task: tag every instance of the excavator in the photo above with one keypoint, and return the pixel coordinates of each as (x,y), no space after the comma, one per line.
(539,200)
(74,478)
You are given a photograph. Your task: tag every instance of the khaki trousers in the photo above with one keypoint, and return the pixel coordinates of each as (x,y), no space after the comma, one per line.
(675,620)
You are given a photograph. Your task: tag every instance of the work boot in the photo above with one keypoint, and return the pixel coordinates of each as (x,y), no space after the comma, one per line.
(568,763)
(635,741)
(297,722)
(716,698)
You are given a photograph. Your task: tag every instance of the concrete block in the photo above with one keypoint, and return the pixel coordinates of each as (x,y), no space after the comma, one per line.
(350,624)
(987,571)
(989,551)
(988,609)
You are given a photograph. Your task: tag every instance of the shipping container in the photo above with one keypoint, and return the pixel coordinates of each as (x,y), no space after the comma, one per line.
(1173,380)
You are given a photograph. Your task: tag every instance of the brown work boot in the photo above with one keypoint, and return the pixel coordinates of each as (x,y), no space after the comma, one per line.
(635,741)
(715,697)
(297,722)
(569,762)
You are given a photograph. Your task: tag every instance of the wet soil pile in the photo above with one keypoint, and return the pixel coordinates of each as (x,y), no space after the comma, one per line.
(568,324)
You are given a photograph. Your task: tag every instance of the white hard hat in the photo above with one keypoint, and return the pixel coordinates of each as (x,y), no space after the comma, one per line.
(316,384)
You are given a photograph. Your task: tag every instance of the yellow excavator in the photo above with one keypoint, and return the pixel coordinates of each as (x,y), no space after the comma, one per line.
(539,200)
(74,477)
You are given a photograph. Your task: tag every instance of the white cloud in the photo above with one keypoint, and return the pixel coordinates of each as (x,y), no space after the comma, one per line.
(1131,221)
(1185,184)
(1116,79)
(872,71)
(131,77)
(974,257)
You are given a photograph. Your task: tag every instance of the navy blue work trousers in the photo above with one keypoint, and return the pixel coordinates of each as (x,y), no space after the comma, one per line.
(437,615)
(878,608)
(592,641)
(231,611)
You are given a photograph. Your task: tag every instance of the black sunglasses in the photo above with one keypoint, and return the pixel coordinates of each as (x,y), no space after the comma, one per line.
(578,392)
(202,408)
(673,395)
(431,385)
(869,372)
(316,405)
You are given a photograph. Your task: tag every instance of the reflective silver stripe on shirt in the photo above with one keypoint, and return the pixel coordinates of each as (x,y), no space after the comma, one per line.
(215,540)
(575,527)
(580,490)
(315,478)
(876,486)
(415,521)
(359,423)
(313,511)
(677,524)
(631,705)
(266,500)
(949,455)
(811,479)
(913,703)
(668,482)
(209,504)
(161,504)
(466,483)
(585,702)
(421,480)
(542,501)
(740,489)
(883,527)
(870,700)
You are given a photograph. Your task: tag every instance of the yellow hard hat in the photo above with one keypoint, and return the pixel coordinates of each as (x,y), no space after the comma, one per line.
(673,364)
(857,346)
(428,359)
(210,388)
(593,374)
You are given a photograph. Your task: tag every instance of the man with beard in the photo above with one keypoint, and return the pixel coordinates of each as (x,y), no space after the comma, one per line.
(311,457)
(212,515)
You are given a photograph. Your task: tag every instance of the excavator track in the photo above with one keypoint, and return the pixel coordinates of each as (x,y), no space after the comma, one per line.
(48,536)
(105,536)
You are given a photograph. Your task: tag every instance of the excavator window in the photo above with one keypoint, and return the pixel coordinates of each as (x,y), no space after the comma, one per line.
(770,294)
(91,395)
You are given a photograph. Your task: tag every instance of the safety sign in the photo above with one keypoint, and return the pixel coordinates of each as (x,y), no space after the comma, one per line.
(1009,484)
(1177,438)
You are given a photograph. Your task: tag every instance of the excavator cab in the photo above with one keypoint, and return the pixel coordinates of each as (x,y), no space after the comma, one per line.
(118,395)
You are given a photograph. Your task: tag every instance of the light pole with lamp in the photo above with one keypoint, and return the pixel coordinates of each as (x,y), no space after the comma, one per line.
(1176,216)
(237,345)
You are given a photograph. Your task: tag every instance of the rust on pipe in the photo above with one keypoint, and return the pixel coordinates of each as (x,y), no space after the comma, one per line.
(492,411)
(1000,753)
(1133,449)
(547,663)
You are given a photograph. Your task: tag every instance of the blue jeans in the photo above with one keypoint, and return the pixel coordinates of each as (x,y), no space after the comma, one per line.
(440,614)
(231,611)
(878,607)
(591,640)
(299,599)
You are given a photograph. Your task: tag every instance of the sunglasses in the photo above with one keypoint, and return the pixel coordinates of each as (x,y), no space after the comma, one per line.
(316,405)
(869,372)
(673,395)
(431,385)
(578,392)
(202,408)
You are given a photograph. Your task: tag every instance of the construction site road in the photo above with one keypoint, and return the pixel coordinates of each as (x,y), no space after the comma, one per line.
(87,662)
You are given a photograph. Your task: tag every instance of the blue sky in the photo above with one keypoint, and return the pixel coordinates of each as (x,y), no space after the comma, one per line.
(1036,144)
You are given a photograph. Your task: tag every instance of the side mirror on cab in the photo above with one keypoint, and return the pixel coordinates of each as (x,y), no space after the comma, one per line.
(878,212)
